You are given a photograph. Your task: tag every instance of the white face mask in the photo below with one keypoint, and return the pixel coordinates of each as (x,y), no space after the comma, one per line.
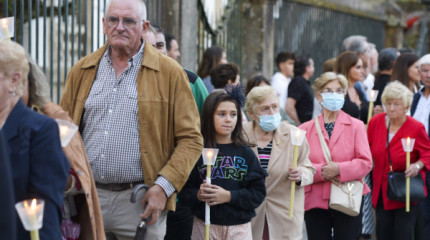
(270,122)
(332,101)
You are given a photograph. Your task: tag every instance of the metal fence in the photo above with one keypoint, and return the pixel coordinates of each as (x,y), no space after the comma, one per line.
(319,29)
(229,32)
(57,33)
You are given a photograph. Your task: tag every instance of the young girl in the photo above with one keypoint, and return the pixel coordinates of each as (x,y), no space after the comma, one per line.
(237,178)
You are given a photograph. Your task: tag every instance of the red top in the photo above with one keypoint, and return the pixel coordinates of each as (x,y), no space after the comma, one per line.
(377,134)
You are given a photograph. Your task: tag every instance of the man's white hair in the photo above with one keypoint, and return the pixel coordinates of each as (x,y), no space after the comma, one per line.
(424,60)
(355,43)
(141,4)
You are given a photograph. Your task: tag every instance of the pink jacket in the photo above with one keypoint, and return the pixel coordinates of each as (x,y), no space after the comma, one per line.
(348,147)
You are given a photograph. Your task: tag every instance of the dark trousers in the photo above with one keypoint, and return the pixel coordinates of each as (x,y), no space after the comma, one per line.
(395,224)
(425,208)
(319,224)
(179,223)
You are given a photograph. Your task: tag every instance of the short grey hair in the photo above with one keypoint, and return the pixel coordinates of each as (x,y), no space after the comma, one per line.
(424,60)
(142,8)
(38,87)
(396,90)
(355,43)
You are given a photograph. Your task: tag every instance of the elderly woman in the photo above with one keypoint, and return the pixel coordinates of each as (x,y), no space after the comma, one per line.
(385,132)
(350,160)
(275,152)
(81,193)
(39,167)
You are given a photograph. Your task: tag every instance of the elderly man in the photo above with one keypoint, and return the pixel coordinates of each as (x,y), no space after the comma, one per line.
(420,110)
(138,120)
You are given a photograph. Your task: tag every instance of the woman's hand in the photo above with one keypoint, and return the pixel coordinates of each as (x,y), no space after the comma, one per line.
(295,175)
(414,169)
(330,171)
(213,194)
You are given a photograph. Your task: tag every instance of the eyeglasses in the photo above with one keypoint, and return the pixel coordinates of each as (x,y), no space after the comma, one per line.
(126,22)
(338,91)
(393,105)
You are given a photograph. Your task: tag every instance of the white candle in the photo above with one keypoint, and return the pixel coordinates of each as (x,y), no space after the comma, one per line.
(5,28)
(64,132)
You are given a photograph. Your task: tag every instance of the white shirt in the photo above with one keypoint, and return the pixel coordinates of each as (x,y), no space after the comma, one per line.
(423,110)
(280,84)
(368,84)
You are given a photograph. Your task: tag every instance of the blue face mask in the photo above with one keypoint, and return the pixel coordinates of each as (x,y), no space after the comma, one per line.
(270,122)
(332,101)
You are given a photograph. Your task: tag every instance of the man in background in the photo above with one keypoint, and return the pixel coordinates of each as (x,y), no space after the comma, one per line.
(281,79)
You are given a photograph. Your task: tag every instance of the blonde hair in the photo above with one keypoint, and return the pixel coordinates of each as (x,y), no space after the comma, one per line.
(257,95)
(396,90)
(13,60)
(328,77)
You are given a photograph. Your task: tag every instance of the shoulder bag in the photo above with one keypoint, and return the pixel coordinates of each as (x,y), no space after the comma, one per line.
(396,189)
(346,197)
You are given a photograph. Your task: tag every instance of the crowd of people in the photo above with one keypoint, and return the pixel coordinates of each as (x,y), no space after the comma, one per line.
(144,119)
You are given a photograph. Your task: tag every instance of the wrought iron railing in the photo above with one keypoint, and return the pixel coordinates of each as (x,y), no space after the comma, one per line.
(57,33)
(318,28)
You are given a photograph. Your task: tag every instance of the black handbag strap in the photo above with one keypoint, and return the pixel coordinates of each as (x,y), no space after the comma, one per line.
(388,146)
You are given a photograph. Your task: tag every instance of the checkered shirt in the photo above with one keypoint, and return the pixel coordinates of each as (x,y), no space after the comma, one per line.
(110,125)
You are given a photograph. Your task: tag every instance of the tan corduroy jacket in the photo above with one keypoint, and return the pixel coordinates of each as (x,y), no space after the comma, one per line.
(90,217)
(169,122)
(275,207)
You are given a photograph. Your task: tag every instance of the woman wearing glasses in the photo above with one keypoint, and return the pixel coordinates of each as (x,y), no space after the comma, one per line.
(385,132)
(346,139)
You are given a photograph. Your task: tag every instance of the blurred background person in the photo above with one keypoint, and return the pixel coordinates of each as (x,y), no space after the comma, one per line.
(211,58)
(300,98)
(225,74)
(257,80)
(39,167)
(372,68)
(172,46)
(385,132)
(420,110)
(282,78)
(346,138)
(274,148)
(386,60)
(350,65)
(81,202)
(406,71)
(329,65)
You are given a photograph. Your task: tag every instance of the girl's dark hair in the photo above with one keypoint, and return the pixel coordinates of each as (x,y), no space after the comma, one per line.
(207,120)
(401,67)
(255,81)
(211,58)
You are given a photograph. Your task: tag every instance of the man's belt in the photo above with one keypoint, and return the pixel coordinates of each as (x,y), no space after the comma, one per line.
(117,186)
